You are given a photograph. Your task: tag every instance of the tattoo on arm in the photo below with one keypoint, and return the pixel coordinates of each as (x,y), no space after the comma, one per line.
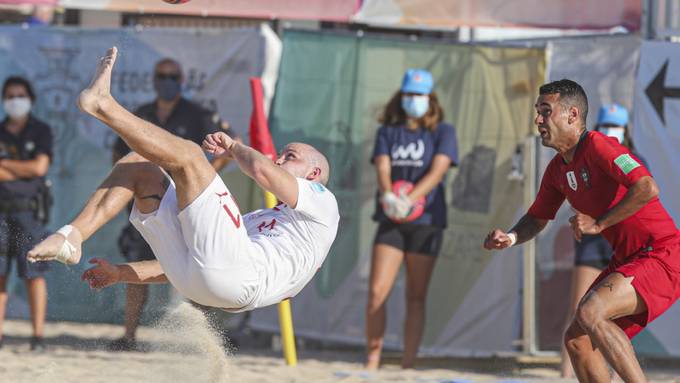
(528,227)
(609,285)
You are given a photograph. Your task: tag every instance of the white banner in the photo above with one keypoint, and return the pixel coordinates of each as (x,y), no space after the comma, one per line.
(60,62)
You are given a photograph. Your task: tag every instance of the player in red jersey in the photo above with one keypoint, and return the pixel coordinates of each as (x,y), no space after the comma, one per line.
(613,194)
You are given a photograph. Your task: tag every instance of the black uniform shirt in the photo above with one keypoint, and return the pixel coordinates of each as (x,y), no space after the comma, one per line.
(34,139)
(187,120)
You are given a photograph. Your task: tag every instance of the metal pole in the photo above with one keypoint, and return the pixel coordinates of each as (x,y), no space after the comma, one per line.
(529,341)
(285,313)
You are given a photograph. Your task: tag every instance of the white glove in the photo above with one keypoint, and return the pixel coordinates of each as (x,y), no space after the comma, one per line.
(403,206)
(396,207)
(389,202)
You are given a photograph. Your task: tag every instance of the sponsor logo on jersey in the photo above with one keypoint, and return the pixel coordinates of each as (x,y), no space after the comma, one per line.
(571,179)
(626,163)
(409,155)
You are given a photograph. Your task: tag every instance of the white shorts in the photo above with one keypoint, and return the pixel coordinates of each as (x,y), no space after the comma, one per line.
(204,250)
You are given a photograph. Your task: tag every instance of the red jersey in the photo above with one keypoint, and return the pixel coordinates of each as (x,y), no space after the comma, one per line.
(594,182)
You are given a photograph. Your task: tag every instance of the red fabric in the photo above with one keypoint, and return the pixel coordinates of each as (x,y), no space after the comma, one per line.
(260,138)
(600,184)
(656,278)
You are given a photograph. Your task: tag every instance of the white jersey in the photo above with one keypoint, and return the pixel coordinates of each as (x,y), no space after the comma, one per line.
(295,241)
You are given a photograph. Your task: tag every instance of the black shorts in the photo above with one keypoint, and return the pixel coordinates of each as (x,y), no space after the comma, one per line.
(593,251)
(133,246)
(409,237)
(19,232)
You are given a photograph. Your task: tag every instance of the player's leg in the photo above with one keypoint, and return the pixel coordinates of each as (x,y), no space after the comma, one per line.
(185,160)
(588,363)
(385,264)
(612,298)
(418,273)
(132,176)
(582,278)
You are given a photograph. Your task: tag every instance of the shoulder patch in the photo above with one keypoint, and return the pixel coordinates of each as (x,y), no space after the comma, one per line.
(626,163)
(317,187)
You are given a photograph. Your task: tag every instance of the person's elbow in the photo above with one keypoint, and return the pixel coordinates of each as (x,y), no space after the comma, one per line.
(649,188)
(41,167)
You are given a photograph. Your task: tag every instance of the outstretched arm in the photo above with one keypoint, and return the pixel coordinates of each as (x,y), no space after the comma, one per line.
(104,274)
(527,228)
(256,166)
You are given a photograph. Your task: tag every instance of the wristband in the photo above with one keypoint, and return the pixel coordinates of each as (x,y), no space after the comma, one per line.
(513,238)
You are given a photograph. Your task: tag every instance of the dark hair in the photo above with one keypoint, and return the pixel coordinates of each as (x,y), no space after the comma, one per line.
(571,94)
(168,60)
(394,114)
(18,80)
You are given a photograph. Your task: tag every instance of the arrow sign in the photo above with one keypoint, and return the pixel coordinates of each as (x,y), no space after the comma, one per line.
(656,92)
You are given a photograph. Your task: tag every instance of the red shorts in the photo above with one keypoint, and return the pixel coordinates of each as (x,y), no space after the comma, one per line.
(656,278)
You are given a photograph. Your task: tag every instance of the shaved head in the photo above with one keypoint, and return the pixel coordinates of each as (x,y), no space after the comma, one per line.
(304,161)
(316,160)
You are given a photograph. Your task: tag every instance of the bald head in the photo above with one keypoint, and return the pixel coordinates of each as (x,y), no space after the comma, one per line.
(316,160)
(303,160)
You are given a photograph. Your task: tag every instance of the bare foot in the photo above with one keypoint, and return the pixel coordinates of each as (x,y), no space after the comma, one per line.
(56,247)
(372,361)
(93,97)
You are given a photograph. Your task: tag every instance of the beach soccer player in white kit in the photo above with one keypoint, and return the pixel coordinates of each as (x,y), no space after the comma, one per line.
(204,247)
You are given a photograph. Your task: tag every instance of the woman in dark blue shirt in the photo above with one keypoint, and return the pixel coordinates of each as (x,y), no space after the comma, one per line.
(415,146)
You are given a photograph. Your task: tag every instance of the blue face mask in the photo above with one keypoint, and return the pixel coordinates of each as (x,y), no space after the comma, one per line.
(167,88)
(616,132)
(415,106)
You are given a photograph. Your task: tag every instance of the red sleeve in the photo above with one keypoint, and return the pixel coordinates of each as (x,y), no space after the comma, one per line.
(615,160)
(549,198)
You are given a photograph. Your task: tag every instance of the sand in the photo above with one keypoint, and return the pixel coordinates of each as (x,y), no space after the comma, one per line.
(181,348)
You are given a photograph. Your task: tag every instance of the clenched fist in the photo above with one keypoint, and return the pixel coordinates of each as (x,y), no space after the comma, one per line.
(584,224)
(499,240)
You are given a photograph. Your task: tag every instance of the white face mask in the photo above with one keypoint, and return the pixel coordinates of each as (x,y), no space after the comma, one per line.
(617,133)
(17,107)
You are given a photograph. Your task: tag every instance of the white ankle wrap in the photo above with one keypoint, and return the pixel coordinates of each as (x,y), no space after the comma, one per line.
(67,249)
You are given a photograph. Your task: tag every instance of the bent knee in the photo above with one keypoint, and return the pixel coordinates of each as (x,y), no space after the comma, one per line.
(575,338)
(588,316)
(189,155)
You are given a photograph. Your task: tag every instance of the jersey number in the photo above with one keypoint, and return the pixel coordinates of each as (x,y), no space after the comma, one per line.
(236,220)
(269,225)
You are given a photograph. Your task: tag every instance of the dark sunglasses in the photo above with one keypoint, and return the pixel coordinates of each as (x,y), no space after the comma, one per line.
(164,76)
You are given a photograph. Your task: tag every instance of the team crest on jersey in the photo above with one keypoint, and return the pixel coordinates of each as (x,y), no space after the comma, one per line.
(585,176)
(571,179)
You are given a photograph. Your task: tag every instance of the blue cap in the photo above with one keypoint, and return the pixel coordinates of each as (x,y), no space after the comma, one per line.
(417,81)
(613,114)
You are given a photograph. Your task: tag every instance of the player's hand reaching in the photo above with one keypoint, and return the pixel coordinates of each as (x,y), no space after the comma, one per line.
(584,224)
(218,144)
(102,275)
(499,240)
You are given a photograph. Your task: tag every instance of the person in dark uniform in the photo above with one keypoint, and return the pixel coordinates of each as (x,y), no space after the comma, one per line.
(25,155)
(186,119)
(593,252)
